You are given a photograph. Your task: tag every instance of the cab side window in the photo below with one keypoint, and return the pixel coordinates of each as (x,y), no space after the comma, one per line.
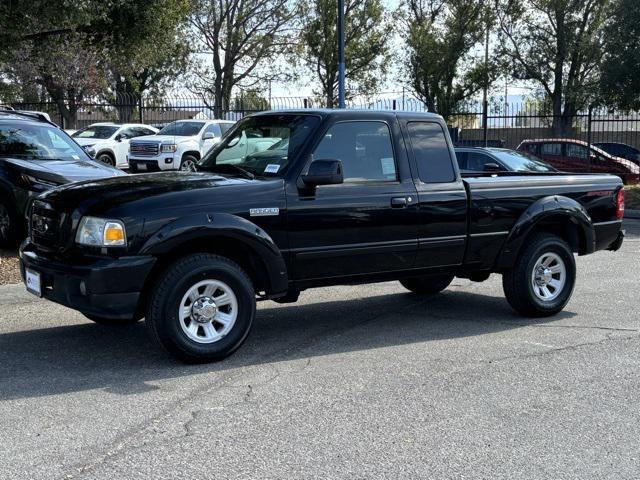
(431,151)
(363,147)
(215,129)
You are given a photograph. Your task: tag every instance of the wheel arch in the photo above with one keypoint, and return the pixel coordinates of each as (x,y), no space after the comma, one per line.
(193,153)
(223,234)
(107,151)
(556,214)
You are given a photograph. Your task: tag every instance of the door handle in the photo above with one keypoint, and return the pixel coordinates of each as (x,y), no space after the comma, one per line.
(398,202)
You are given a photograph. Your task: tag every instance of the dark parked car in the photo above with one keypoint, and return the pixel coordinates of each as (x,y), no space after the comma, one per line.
(35,156)
(621,150)
(360,197)
(492,160)
(570,155)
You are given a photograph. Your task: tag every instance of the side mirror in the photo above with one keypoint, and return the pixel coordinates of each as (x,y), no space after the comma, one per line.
(118,137)
(208,136)
(323,172)
(492,167)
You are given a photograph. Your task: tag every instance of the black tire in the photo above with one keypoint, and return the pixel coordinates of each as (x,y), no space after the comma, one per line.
(107,158)
(163,317)
(9,226)
(428,284)
(112,322)
(518,282)
(188,163)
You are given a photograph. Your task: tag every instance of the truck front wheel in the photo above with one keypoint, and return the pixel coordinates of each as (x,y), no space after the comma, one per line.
(428,284)
(541,282)
(202,308)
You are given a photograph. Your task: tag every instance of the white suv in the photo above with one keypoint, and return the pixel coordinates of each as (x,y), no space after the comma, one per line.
(178,146)
(109,142)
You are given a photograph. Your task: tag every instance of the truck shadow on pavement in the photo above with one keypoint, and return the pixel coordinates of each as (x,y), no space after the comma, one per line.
(122,360)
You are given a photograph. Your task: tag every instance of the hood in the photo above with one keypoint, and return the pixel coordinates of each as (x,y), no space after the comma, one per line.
(113,192)
(163,139)
(64,171)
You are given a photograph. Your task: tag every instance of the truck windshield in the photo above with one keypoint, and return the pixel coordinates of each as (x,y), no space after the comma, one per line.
(38,142)
(260,145)
(96,131)
(182,129)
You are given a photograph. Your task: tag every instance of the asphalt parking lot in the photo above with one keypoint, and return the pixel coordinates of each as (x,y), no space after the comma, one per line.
(352,382)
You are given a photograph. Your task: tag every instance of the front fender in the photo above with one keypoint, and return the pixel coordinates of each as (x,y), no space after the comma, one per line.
(545,208)
(226,226)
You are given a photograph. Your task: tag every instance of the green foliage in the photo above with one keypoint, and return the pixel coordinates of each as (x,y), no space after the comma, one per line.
(620,82)
(557,45)
(367,39)
(444,64)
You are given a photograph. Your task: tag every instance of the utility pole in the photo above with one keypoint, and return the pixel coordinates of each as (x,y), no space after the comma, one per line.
(485,90)
(341,93)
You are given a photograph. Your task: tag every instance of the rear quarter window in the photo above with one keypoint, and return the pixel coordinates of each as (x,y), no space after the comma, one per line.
(431,152)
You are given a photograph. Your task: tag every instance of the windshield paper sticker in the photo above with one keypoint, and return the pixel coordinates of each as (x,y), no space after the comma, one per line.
(272,168)
(388,166)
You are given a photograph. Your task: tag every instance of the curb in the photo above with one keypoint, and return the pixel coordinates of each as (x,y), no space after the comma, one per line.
(635,214)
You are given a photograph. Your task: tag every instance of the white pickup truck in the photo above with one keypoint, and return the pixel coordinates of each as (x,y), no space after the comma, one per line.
(178,146)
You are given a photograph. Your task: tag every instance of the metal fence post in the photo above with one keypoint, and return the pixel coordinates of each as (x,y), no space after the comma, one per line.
(589,114)
(140,110)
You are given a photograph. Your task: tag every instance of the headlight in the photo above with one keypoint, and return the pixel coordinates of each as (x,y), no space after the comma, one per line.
(101,232)
(36,184)
(169,148)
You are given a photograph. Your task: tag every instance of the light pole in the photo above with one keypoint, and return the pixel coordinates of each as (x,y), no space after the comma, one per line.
(341,53)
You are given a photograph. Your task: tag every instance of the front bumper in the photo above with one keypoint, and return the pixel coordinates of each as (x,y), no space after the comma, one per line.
(104,287)
(168,161)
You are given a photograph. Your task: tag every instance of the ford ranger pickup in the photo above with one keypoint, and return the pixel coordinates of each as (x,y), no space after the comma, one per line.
(343,197)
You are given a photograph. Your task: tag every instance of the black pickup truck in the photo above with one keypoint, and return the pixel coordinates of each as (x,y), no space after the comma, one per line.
(325,197)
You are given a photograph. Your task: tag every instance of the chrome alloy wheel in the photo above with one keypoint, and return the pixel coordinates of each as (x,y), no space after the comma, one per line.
(208,311)
(548,277)
(188,166)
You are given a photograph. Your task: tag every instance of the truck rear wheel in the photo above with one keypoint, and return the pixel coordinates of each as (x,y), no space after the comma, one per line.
(428,284)
(541,282)
(202,308)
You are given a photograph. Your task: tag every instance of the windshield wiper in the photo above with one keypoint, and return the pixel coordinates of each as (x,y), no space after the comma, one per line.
(234,168)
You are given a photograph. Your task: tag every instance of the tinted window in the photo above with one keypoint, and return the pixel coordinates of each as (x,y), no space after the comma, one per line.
(364,148)
(461,157)
(551,149)
(182,129)
(431,152)
(97,131)
(477,161)
(576,151)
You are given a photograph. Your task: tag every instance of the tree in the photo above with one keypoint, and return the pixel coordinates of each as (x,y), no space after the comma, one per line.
(557,45)
(367,38)
(143,49)
(240,36)
(444,70)
(620,82)
(63,67)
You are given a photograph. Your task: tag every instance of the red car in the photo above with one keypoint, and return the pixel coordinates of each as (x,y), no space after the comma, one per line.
(571,155)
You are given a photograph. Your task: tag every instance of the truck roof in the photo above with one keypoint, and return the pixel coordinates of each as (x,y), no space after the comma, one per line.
(327,112)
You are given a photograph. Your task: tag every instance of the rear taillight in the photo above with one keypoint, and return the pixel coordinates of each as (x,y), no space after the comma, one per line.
(620,204)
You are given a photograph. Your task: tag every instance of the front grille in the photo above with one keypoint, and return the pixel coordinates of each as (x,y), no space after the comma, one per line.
(46,226)
(147,149)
